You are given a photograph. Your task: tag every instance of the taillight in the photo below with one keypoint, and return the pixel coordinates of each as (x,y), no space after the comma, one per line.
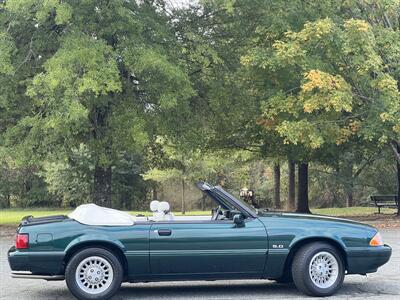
(376,240)
(22,241)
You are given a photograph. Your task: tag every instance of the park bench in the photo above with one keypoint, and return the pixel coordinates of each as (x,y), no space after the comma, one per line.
(390,201)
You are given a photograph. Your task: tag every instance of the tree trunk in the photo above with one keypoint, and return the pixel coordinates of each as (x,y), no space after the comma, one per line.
(302,201)
(102,174)
(155,194)
(291,185)
(221,179)
(349,197)
(398,181)
(183,197)
(398,188)
(102,186)
(277,186)
(396,149)
(349,186)
(203,202)
(8,201)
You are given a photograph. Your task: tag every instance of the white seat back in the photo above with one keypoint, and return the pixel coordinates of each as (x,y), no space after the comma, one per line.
(154,207)
(163,213)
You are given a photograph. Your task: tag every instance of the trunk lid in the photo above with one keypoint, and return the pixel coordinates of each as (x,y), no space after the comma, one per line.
(31,220)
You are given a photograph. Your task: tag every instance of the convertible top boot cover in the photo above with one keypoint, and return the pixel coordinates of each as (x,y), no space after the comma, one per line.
(92,214)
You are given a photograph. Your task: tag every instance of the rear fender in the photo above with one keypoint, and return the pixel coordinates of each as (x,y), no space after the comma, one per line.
(92,238)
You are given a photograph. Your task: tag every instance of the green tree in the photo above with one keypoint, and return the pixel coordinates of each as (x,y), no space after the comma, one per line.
(182,166)
(91,73)
(231,93)
(341,88)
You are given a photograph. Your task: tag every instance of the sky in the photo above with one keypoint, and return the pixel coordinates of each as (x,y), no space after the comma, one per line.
(175,3)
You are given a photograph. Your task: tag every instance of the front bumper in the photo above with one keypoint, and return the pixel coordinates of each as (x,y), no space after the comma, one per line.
(33,263)
(367,260)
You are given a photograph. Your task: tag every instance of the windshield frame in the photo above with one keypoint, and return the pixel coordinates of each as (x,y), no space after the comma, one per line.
(240,205)
(221,196)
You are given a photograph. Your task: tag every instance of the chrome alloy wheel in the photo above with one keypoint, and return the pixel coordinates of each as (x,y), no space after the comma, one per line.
(324,269)
(94,275)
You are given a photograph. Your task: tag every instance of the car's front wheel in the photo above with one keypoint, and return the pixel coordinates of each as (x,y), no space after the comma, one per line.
(318,269)
(94,273)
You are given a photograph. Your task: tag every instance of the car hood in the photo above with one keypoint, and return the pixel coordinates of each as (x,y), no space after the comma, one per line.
(312,217)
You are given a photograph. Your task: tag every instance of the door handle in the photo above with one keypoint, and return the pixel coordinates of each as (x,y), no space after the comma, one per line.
(164,232)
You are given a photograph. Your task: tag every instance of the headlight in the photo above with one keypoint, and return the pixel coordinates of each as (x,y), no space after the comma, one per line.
(376,240)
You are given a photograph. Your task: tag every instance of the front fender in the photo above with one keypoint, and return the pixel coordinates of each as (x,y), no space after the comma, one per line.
(284,243)
(333,238)
(280,258)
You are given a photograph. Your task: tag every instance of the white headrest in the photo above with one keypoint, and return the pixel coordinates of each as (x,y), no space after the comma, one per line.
(154,205)
(163,207)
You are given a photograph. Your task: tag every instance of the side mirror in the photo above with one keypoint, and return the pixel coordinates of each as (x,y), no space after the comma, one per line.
(238,220)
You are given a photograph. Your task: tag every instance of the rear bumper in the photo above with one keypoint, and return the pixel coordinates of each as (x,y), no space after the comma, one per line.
(367,260)
(29,275)
(24,263)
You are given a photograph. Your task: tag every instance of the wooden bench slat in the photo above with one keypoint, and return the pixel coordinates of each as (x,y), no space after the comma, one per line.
(390,201)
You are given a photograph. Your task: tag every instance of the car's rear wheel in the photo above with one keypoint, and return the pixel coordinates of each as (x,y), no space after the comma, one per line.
(318,269)
(94,273)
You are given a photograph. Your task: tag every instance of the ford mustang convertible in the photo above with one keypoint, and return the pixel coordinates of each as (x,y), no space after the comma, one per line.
(95,249)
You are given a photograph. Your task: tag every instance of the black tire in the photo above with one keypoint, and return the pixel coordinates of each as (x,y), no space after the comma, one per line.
(301,274)
(113,285)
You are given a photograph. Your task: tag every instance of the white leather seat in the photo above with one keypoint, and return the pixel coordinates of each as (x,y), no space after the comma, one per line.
(163,213)
(154,207)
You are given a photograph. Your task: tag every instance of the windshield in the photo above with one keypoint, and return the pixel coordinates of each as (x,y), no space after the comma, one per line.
(241,203)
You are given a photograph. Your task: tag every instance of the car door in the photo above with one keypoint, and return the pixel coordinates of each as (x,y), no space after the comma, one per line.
(208,249)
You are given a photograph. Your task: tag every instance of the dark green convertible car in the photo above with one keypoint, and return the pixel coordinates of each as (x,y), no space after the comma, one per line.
(95,249)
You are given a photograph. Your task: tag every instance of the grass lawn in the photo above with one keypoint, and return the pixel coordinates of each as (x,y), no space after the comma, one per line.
(352,211)
(13,216)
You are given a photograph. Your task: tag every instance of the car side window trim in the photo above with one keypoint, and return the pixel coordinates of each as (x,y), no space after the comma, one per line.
(190,222)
